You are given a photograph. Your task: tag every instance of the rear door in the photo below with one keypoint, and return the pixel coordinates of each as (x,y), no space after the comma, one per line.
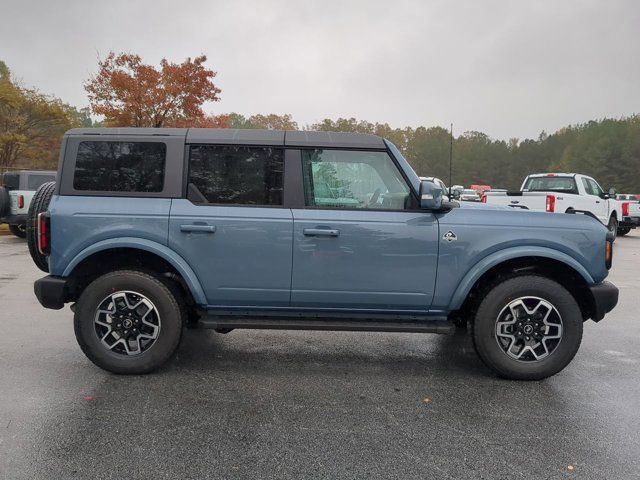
(359,243)
(232,226)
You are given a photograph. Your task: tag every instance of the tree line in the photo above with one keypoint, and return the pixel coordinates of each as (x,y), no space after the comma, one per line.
(606,149)
(128,92)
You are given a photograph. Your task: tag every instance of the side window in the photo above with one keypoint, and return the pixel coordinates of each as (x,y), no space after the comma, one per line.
(587,186)
(353,180)
(595,188)
(34,180)
(120,166)
(236,175)
(591,187)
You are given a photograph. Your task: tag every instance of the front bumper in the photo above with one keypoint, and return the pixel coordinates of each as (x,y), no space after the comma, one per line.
(51,291)
(605,298)
(14,219)
(629,222)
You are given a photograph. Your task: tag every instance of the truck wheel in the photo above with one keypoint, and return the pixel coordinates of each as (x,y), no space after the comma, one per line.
(129,322)
(527,328)
(39,203)
(623,231)
(18,230)
(613,226)
(5,202)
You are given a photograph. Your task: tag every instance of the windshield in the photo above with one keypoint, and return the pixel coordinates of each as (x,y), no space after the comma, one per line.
(551,184)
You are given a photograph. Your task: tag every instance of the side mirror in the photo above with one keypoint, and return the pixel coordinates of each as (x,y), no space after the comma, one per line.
(612,193)
(430,195)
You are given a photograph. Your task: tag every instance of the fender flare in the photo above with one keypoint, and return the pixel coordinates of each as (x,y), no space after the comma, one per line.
(490,261)
(163,251)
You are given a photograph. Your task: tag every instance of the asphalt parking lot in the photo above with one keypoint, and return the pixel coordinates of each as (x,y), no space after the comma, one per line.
(266,404)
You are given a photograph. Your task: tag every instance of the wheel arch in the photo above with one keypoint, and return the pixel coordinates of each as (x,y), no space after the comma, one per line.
(553,264)
(126,252)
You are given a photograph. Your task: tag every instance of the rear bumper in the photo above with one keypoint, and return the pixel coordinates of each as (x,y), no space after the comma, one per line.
(51,291)
(629,222)
(14,219)
(605,297)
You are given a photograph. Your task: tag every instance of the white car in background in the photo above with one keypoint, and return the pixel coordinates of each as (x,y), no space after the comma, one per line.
(564,193)
(630,208)
(16,191)
(469,195)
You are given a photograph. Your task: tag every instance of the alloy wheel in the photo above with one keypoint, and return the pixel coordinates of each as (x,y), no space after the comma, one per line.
(127,323)
(529,329)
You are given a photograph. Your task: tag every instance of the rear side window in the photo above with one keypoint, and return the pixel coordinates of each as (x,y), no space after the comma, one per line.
(236,175)
(120,166)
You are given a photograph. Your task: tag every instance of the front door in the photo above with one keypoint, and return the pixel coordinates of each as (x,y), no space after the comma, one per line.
(232,228)
(360,243)
(599,206)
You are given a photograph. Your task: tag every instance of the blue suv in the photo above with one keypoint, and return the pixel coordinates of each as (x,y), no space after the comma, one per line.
(147,231)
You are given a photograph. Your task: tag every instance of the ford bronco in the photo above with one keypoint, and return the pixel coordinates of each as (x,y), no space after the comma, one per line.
(147,231)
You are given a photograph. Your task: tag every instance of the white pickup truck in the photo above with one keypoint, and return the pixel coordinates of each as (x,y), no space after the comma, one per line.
(566,193)
(16,191)
(630,208)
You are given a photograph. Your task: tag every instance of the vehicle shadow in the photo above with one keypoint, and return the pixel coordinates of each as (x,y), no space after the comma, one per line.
(310,352)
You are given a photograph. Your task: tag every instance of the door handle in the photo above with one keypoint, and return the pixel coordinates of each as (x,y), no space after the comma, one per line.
(198,228)
(320,232)
(597,201)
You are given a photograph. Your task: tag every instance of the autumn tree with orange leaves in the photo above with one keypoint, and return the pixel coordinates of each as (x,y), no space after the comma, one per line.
(130,93)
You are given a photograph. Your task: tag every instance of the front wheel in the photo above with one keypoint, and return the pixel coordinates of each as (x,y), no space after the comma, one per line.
(129,322)
(18,230)
(527,328)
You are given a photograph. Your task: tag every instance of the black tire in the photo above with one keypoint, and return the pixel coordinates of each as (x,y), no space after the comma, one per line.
(18,230)
(5,202)
(484,328)
(39,204)
(613,227)
(171,313)
(622,231)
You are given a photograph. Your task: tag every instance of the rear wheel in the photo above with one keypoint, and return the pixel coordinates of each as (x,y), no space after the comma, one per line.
(623,231)
(18,230)
(613,226)
(39,204)
(129,322)
(527,328)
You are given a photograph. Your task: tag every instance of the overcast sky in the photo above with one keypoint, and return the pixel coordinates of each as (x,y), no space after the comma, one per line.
(507,68)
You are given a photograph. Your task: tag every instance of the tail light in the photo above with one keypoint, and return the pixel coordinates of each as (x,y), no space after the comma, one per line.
(550,206)
(625,209)
(44,236)
(20,201)
(483,199)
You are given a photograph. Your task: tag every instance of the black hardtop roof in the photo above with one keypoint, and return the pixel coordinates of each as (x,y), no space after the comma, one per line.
(236,136)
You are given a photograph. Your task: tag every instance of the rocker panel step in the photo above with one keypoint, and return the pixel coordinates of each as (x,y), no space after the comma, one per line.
(331,324)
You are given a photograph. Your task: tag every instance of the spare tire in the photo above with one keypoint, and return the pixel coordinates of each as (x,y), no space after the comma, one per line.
(39,204)
(5,202)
